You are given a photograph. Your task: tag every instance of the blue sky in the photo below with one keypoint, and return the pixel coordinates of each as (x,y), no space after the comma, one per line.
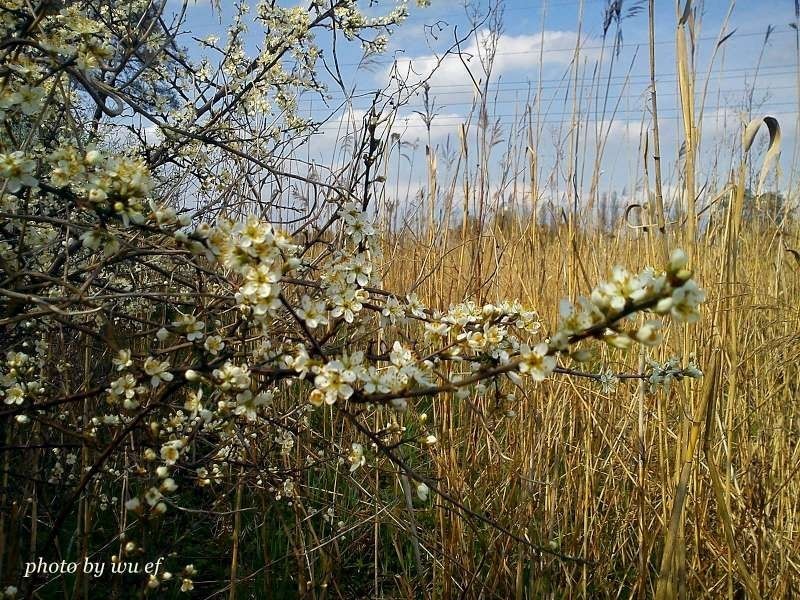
(516,75)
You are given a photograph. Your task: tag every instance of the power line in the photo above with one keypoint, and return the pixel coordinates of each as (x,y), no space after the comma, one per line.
(537,50)
(660,78)
(457,121)
(712,90)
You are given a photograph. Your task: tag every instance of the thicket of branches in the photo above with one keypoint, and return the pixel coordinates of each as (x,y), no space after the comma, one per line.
(179,343)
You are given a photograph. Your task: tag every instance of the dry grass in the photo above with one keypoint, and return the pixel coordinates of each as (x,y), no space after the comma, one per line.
(688,493)
(595,474)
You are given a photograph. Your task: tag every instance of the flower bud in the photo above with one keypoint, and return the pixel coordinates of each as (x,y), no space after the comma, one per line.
(422,492)
(618,340)
(203,230)
(677,260)
(649,334)
(583,355)
(399,404)
(316,397)
(664,305)
(97,195)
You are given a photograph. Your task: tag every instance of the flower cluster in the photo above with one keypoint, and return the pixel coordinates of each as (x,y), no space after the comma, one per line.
(17,168)
(20,377)
(671,292)
(663,374)
(482,341)
(258,254)
(111,185)
(338,379)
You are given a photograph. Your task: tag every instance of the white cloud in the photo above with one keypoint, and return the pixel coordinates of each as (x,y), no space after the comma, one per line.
(514,53)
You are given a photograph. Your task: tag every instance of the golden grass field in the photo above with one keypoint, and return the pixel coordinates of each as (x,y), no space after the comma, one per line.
(597,474)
